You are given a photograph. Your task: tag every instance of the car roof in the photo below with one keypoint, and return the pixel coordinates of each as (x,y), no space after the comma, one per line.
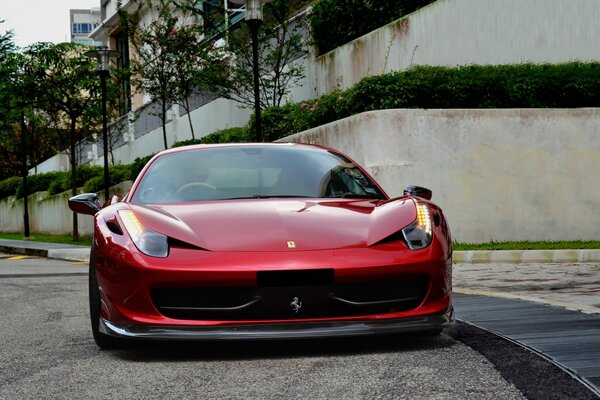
(234,145)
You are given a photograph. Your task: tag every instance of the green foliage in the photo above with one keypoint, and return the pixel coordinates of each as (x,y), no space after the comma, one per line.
(503,86)
(38,183)
(173,61)
(116,174)
(138,165)
(8,186)
(335,22)
(62,182)
(280,41)
(231,135)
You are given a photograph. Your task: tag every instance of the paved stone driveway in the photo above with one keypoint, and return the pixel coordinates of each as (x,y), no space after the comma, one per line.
(573,286)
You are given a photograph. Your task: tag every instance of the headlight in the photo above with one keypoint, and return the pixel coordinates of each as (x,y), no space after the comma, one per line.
(418,234)
(147,241)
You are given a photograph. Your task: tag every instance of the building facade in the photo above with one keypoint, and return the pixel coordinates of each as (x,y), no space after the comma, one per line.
(82,23)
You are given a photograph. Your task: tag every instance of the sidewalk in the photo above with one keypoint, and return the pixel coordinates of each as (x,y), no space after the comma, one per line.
(49,250)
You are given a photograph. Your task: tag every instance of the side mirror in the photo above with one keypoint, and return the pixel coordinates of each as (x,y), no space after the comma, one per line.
(418,191)
(86,203)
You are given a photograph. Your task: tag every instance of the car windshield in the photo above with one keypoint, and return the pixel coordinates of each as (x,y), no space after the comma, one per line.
(223,173)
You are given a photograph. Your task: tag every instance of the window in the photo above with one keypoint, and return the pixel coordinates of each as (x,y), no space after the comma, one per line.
(252,172)
(83,28)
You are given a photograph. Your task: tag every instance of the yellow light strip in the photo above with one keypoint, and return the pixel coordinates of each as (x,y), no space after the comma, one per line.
(132,223)
(423,217)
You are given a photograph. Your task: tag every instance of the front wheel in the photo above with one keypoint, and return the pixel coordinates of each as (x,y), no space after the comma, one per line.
(103,341)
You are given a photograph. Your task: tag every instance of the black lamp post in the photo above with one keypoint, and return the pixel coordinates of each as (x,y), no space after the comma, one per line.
(254,19)
(102,55)
(25,172)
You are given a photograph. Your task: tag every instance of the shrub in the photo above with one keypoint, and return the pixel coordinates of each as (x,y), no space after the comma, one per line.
(62,182)
(94,185)
(504,86)
(138,165)
(37,183)
(8,186)
(336,22)
(116,174)
(230,135)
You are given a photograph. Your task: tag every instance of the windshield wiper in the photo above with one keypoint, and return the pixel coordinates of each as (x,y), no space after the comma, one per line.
(270,196)
(350,195)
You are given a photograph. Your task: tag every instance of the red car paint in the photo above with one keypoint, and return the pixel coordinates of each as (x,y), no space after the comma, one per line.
(220,243)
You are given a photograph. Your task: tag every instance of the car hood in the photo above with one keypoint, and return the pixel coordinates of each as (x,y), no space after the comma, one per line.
(279,224)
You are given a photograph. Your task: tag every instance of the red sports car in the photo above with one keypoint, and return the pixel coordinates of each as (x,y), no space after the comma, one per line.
(265,241)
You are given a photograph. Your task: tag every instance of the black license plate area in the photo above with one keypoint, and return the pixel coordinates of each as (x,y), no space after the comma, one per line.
(301,277)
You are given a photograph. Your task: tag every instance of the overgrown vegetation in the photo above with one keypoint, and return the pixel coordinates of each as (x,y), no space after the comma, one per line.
(568,85)
(231,135)
(335,22)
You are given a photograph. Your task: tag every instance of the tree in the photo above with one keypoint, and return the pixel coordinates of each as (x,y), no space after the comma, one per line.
(6,43)
(68,88)
(281,40)
(172,60)
(198,64)
(152,67)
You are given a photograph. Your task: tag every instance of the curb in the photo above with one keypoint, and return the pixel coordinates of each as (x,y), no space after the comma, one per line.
(69,254)
(525,256)
(503,295)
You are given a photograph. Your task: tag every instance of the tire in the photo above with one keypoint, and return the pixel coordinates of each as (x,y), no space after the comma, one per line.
(103,341)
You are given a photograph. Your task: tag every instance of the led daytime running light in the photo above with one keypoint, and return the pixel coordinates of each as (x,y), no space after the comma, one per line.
(147,241)
(418,235)
(424,218)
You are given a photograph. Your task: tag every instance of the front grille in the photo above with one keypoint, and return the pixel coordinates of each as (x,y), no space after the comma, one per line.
(274,296)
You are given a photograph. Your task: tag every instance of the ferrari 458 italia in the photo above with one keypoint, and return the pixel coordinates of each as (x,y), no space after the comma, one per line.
(265,241)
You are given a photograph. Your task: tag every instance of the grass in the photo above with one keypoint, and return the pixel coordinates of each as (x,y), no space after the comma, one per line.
(41,237)
(558,245)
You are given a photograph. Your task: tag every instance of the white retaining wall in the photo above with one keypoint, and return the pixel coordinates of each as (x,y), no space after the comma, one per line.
(462,32)
(48,214)
(498,174)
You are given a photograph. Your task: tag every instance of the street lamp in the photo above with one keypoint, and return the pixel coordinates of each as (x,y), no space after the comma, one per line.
(102,55)
(254,18)
(25,171)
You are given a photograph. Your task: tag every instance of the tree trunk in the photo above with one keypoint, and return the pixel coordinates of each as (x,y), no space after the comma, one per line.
(187,109)
(73,160)
(163,117)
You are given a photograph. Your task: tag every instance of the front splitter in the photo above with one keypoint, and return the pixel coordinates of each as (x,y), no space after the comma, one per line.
(279,331)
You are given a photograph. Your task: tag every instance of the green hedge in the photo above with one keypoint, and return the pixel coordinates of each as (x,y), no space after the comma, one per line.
(230,135)
(568,85)
(138,165)
(8,186)
(38,183)
(116,174)
(84,174)
(336,22)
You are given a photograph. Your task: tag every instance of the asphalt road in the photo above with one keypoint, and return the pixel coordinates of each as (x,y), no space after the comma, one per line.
(46,351)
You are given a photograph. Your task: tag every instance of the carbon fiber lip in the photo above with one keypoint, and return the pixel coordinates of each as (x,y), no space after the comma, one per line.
(278,331)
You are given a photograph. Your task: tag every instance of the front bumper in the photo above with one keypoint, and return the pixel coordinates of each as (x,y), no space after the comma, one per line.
(303,330)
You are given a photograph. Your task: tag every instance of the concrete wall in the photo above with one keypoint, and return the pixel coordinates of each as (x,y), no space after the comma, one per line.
(47,214)
(461,32)
(216,115)
(59,162)
(498,174)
